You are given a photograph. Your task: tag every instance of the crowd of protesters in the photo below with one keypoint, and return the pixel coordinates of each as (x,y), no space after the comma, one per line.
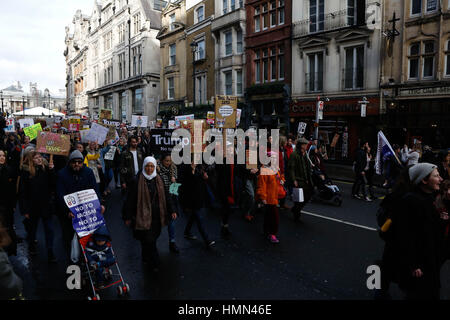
(38,184)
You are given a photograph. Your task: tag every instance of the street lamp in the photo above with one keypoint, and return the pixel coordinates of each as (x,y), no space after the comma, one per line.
(1,96)
(194,47)
(319,116)
(23,104)
(47,94)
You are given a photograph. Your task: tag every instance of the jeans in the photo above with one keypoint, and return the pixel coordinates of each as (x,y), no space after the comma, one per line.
(31,226)
(248,198)
(196,215)
(360,184)
(171,224)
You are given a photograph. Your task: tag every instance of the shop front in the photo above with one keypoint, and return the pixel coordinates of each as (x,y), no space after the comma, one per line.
(342,127)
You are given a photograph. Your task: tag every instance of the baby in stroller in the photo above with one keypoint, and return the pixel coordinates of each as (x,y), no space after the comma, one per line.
(99,254)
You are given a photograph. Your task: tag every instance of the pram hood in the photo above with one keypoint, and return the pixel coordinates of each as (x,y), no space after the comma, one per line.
(101,233)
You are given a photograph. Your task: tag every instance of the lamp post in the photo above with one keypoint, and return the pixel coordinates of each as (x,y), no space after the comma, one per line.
(319,116)
(194,47)
(23,104)
(1,96)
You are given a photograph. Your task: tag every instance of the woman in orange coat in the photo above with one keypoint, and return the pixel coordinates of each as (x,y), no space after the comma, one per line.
(268,192)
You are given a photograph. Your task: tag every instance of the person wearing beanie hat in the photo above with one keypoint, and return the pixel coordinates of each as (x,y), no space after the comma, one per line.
(418,236)
(76,154)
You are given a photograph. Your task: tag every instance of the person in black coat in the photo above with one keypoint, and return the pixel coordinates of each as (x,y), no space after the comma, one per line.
(360,165)
(8,200)
(37,182)
(418,236)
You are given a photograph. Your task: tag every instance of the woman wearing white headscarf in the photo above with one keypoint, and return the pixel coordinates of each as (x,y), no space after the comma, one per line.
(146,210)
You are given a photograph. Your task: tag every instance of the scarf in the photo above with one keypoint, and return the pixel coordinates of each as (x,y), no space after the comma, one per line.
(144,203)
(147,161)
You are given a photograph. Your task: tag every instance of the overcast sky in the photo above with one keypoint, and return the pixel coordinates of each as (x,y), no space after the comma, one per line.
(32,41)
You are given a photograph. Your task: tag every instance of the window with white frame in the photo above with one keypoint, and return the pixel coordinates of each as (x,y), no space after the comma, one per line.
(199,14)
(416,7)
(316,15)
(280,12)
(239,45)
(273,64)
(107,38)
(200,53)
(200,87)
(121,32)
(447,58)
(95,49)
(122,63)
(354,68)
(172,54)
(228,43)
(228,83)
(315,72)
(172,21)
(137,23)
(225,6)
(233,5)
(273,14)
(239,87)
(432,5)
(265,16)
(428,60)
(170,88)
(414,59)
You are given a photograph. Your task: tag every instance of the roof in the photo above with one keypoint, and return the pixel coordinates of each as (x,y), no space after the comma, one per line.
(151,14)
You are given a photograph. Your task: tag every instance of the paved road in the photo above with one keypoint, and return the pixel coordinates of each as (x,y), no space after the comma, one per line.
(317,258)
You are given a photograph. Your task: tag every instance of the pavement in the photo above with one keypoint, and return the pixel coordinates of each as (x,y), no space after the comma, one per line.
(325,256)
(344,172)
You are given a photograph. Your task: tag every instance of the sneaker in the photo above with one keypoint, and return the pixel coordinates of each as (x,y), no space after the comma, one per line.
(357,196)
(225,232)
(368,199)
(273,239)
(210,243)
(51,257)
(173,247)
(190,236)
(118,186)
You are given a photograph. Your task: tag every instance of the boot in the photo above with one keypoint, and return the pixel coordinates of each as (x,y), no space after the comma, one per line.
(173,247)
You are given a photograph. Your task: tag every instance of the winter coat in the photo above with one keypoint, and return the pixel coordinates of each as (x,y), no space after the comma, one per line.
(10,284)
(166,174)
(299,169)
(360,160)
(267,189)
(417,242)
(229,182)
(35,192)
(68,182)
(8,180)
(193,190)
(127,170)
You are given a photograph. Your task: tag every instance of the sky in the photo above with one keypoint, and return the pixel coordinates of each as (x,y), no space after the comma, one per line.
(32,34)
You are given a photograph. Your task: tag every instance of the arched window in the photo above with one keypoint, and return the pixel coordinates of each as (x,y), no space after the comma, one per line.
(200,14)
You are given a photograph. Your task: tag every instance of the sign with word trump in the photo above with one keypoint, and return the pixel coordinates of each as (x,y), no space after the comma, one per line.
(53,143)
(226,111)
(86,209)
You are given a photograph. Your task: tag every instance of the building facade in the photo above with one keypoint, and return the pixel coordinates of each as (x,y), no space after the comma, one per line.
(122,67)
(173,57)
(336,57)
(268,61)
(416,72)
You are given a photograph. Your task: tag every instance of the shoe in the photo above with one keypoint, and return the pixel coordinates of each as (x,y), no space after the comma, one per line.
(118,186)
(51,257)
(190,236)
(368,199)
(357,196)
(225,232)
(248,217)
(32,250)
(173,247)
(273,239)
(210,243)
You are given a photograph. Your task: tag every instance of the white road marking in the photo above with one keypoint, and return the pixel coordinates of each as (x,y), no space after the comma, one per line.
(340,221)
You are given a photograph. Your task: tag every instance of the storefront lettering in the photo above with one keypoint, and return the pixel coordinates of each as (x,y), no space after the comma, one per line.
(327,108)
(422,91)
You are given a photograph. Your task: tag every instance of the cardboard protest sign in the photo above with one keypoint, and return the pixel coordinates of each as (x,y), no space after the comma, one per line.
(74,124)
(111,153)
(53,143)
(32,132)
(97,133)
(115,123)
(335,140)
(210,117)
(139,121)
(27,122)
(172,124)
(178,119)
(86,208)
(161,141)
(238,117)
(83,135)
(10,125)
(226,111)
(111,133)
(105,114)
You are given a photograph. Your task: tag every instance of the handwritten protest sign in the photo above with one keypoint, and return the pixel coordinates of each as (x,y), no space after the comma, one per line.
(32,131)
(139,121)
(226,111)
(53,143)
(105,114)
(86,209)
(178,119)
(97,133)
(27,122)
(111,153)
(10,125)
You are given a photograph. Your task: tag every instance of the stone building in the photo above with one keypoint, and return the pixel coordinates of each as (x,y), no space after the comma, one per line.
(416,72)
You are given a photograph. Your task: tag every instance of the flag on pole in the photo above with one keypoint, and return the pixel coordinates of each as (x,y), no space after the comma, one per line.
(384,152)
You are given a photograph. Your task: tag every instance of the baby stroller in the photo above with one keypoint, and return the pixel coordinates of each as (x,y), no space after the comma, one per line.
(326,191)
(100,263)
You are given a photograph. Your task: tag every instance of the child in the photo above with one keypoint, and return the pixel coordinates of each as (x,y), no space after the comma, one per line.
(99,253)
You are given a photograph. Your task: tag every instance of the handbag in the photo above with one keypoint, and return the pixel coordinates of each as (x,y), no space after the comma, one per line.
(75,251)
(281,189)
(297,195)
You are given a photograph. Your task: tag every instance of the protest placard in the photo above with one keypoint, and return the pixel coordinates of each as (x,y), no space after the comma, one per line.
(172,124)
(178,119)
(210,117)
(139,121)
(53,143)
(86,209)
(97,133)
(27,122)
(10,125)
(225,111)
(238,117)
(161,141)
(32,132)
(115,123)
(105,114)
(111,153)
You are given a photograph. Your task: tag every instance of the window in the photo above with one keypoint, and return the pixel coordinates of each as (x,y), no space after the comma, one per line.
(281,63)
(172,54)
(281,16)
(273,18)
(228,83)
(447,59)
(265,21)
(107,39)
(239,82)
(428,60)
(257,71)
(316,15)
(315,72)
(354,68)
(265,70)
(239,45)
(95,49)
(416,7)
(96,75)
(138,105)
(431,5)
(200,53)
(170,88)
(109,102)
(273,68)
(356,12)
(200,87)
(137,23)
(225,6)
(233,5)
(121,32)
(137,60)
(121,66)
(228,43)
(257,24)
(414,51)
(172,21)
(200,14)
